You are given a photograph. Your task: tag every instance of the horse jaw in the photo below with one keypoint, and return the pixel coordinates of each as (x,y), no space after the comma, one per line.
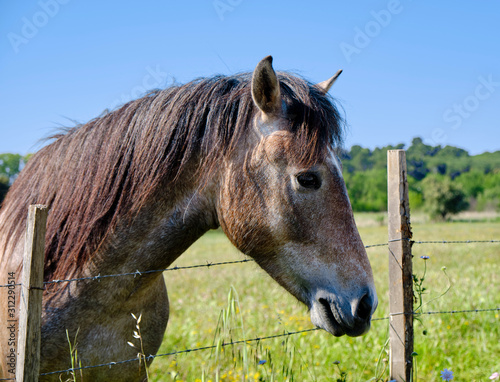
(337,305)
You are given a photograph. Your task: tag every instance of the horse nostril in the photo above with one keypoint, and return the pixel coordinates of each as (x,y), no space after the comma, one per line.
(364,307)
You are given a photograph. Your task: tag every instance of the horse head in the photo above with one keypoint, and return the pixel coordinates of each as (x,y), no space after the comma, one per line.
(283,201)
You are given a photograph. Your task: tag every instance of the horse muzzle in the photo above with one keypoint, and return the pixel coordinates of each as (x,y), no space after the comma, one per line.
(340,316)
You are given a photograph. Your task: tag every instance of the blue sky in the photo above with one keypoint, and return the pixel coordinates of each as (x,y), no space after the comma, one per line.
(411,68)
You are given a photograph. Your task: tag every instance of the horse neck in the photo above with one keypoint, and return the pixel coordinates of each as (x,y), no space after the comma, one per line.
(164,228)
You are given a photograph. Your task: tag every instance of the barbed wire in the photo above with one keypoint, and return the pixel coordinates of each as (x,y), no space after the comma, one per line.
(176,268)
(256,339)
(455,241)
(208,264)
(448,312)
(140,273)
(150,357)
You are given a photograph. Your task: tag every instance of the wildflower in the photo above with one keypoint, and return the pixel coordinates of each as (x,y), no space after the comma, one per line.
(424,257)
(262,362)
(447,375)
(336,362)
(495,376)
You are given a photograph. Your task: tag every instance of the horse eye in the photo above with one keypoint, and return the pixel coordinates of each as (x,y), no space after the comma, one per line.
(309,180)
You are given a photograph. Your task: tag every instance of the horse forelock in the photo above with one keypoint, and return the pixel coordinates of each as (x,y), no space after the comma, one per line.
(106,170)
(314,120)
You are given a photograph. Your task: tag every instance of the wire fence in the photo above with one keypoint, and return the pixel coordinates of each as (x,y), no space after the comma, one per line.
(150,357)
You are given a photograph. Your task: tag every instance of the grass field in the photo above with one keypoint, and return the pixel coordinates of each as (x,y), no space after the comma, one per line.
(215,305)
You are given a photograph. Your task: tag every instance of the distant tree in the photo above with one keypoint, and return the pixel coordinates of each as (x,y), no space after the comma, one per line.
(419,149)
(360,159)
(367,190)
(10,165)
(442,197)
(441,168)
(489,198)
(472,182)
(416,158)
(417,168)
(452,161)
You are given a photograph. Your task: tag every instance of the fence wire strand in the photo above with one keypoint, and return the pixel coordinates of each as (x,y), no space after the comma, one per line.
(151,357)
(176,268)
(208,264)
(140,273)
(448,312)
(257,339)
(455,241)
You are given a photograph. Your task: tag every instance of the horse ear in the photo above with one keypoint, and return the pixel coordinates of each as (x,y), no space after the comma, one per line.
(326,85)
(266,87)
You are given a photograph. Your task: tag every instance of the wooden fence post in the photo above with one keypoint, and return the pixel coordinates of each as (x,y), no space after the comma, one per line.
(30,307)
(400,269)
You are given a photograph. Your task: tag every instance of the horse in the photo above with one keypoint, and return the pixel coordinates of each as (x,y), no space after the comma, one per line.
(253,153)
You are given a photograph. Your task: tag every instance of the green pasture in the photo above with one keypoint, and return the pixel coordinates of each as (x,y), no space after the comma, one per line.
(221,304)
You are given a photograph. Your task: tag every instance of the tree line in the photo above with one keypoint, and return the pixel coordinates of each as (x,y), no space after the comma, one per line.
(442,180)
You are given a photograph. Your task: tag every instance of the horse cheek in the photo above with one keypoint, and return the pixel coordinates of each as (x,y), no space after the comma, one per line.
(243,218)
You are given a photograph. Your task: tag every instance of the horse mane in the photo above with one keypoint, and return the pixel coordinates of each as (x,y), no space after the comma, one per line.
(107,169)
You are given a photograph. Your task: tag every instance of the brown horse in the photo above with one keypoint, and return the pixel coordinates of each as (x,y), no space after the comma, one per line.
(133,189)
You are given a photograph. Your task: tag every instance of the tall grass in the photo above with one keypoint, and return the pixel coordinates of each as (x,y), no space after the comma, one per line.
(218,305)
(75,361)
